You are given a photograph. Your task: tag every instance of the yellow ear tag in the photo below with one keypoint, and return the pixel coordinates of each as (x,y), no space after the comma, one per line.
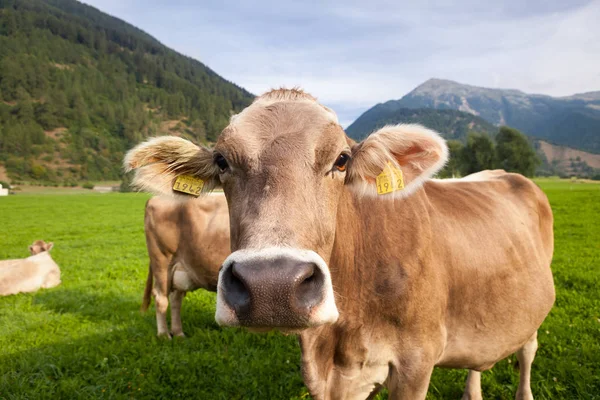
(389,180)
(188,184)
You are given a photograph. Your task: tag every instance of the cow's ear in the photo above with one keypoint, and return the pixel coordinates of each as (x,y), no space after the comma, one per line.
(48,246)
(159,161)
(417,152)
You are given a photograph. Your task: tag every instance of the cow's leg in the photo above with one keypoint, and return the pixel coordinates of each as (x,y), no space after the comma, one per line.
(160,291)
(411,383)
(176,297)
(525,355)
(162,304)
(473,386)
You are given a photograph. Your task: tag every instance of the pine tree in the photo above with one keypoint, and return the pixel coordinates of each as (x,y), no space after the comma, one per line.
(24,106)
(514,153)
(198,130)
(478,154)
(453,167)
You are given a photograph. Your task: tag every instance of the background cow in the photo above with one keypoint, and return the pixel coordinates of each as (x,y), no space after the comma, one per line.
(187,242)
(39,271)
(381,287)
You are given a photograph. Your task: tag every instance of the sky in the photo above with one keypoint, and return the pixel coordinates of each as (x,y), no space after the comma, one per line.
(352,55)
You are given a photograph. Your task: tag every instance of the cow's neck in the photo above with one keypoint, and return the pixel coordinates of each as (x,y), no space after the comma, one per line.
(379,243)
(378,260)
(43,257)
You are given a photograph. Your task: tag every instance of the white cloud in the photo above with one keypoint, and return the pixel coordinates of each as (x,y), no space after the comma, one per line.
(354,54)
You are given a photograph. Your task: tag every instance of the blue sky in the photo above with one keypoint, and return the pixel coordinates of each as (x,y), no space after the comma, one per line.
(354,54)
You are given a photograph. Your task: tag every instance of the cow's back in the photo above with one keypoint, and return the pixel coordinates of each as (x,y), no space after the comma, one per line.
(194,234)
(493,242)
(28,274)
(205,243)
(161,225)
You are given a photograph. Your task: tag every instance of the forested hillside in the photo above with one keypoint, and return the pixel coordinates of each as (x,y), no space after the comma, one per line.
(79,87)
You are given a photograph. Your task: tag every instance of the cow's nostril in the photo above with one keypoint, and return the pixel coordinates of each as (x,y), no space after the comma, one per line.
(236,290)
(309,288)
(306,273)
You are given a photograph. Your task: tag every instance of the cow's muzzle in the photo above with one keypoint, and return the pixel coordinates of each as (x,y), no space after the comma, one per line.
(275,288)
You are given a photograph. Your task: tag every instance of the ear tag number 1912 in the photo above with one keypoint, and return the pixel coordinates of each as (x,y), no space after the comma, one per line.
(389,180)
(188,184)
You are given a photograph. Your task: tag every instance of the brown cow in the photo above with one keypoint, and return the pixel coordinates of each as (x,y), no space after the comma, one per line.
(25,275)
(187,243)
(381,287)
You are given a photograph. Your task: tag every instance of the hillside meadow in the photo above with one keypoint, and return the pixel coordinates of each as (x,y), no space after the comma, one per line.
(87,338)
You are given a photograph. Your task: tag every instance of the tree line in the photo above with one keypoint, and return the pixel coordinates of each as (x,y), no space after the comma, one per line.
(509,150)
(103,83)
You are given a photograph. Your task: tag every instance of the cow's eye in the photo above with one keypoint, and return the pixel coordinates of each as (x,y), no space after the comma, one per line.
(221,162)
(341,162)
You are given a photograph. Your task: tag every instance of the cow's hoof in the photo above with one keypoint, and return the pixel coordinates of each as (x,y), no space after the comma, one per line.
(524,395)
(164,336)
(178,334)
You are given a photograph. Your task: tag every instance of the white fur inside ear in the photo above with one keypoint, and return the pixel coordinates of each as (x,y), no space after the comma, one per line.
(166,149)
(154,178)
(158,161)
(393,144)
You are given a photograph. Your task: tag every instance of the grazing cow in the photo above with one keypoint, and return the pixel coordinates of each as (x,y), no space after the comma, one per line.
(39,271)
(384,272)
(187,243)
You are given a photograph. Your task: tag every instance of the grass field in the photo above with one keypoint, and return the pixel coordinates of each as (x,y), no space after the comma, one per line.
(87,338)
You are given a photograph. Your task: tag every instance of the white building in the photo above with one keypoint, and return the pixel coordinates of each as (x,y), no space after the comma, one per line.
(3,192)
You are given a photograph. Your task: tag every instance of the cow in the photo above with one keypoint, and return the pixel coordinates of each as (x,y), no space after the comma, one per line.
(187,241)
(384,272)
(25,275)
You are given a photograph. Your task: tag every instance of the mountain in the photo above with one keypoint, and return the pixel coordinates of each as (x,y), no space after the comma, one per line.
(571,121)
(452,124)
(78,87)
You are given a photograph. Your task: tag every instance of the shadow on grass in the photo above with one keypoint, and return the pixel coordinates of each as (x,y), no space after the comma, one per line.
(128,362)
(86,303)
(197,310)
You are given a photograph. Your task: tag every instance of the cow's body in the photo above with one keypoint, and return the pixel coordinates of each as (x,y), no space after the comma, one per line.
(456,275)
(187,242)
(39,271)
(381,287)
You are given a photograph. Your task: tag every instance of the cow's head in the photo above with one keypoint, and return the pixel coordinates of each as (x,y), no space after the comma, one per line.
(39,246)
(284,163)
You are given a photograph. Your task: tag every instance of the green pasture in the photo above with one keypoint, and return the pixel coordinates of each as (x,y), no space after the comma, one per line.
(87,338)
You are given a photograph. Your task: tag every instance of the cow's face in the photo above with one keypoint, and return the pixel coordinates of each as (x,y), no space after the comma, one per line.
(40,246)
(284,163)
(282,167)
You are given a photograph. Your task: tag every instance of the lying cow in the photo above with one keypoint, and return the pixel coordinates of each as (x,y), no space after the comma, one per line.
(39,271)
(187,243)
(384,272)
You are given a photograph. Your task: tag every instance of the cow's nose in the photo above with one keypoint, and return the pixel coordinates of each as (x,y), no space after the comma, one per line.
(275,293)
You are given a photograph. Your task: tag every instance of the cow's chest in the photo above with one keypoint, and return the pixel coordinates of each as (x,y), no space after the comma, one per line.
(354,371)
